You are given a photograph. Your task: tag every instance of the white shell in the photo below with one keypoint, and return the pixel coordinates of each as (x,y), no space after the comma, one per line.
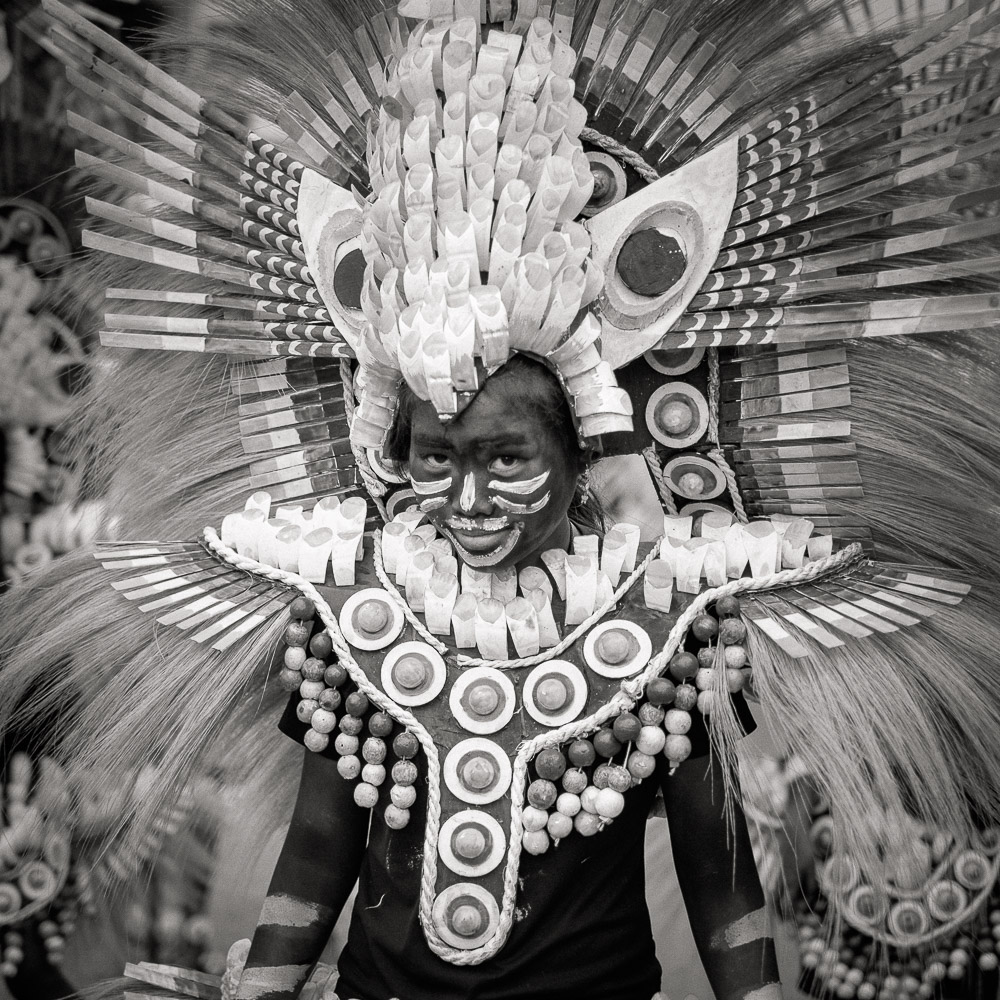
(490,859)
(359,639)
(505,707)
(464,751)
(574,680)
(632,665)
(434,683)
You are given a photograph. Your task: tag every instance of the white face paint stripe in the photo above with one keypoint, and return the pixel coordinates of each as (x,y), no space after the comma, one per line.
(256,983)
(287,911)
(468,498)
(431,487)
(522,487)
(772,991)
(433,504)
(522,508)
(751,927)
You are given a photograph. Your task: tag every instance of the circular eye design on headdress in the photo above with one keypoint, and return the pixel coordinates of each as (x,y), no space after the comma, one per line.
(675,362)
(401,500)
(693,477)
(383,468)
(677,415)
(349,274)
(610,183)
(651,261)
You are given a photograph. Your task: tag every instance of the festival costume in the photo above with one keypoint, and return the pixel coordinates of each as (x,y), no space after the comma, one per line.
(407,205)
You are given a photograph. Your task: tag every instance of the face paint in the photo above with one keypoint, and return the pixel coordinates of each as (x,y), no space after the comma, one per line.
(521,508)
(520,487)
(507,539)
(434,503)
(432,487)
(468,498)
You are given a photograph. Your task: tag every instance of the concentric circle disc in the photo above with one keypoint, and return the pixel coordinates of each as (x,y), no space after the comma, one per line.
(471,843)
(413,673)
(482,700)
(617,648)
(554,693)
(370,619)
(465,915)
(477,771)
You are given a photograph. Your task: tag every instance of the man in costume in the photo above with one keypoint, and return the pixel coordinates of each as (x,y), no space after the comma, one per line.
(439,216)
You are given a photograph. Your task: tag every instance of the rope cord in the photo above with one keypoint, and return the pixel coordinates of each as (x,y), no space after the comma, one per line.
(716,454)
(667,500)
(525,661)
(623,153)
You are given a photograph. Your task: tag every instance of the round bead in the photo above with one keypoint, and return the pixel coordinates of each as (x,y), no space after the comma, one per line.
(374,750)
(675,417)
(405,745)
(330,699)
(619,778)
(335,675)
(736,657)
(551,694)
(559,826)
(586,824)
(660,691)
(404,772)
(574,780)
(321,645)
(706,656)
(683,665)
(613,647)
(294,657)
(467,921)
(479,773)
(534,819)
(403,796)
(650,740)
(313,669)
(349,767)
(483,699)
(323,721)
(550,764)
(705,627)
(606,744)
(365,795)
(677,749)
(677,722)
(311,689)
(588,798)
(732,631)
(289,680)
(706,702)
(296,633)
(626,727)
(581,753)
(643,765)
(535,842)
(734,680)
(704,679)
(356,704)
(302,608)
(542,793)
(351,725)
(727,607)
(374,774)
(305,708)
(469,843)
(345,744)
(691,484)
(316,742)
(568,804)
(396,817)
(409,672)
(372,617)
(988,962)
(651,715)
(687,697)
(610,803)
(380,724)
(602,775)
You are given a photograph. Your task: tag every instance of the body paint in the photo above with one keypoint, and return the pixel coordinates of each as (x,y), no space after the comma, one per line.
(288,911)
(468,498)
(486,524)
(482,560)
(259,983)
(751,927)
(427,488)
(432,503)
(521,508)
(520,487)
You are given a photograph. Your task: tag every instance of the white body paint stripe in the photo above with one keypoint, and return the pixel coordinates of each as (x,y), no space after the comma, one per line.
(521,487)
(751,927)
(425,489)
(467,500)
(522,508)
(288,911)
(256,983)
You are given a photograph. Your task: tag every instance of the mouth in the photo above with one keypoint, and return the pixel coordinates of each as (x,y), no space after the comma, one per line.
(483,543)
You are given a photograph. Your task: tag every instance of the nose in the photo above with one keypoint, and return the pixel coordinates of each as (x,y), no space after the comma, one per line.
(472,498)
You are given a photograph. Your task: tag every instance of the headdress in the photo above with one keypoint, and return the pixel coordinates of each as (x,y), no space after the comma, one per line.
(403,205)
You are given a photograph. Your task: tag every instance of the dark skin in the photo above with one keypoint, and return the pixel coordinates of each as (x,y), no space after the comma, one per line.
(492,444)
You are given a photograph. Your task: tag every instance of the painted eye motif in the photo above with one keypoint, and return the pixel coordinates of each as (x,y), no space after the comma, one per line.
(610,183)
(329,219)
(656,247)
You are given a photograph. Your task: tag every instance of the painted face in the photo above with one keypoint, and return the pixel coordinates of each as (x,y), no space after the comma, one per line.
(496,482)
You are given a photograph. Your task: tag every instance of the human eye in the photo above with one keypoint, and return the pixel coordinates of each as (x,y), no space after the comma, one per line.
(506,464)
(436,461)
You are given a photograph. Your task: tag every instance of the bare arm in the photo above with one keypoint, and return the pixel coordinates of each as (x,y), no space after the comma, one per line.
(720,885)
(316,870)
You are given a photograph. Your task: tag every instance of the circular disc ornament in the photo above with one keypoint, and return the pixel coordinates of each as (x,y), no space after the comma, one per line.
(370,620)
(401,500)
(693,477)
(973,870)
(413,673)
(677,415)
(617,649)
(554,693)
(471,843)
(465,915)
(477,771)
(383,469)
(482,700)
(675,362)
(908,920)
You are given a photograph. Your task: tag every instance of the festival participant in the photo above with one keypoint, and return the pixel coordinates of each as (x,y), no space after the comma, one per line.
(667,215)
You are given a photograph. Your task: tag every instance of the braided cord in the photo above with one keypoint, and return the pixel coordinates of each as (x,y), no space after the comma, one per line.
(623,153)
(667,500)
(524,661)
(716,454)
